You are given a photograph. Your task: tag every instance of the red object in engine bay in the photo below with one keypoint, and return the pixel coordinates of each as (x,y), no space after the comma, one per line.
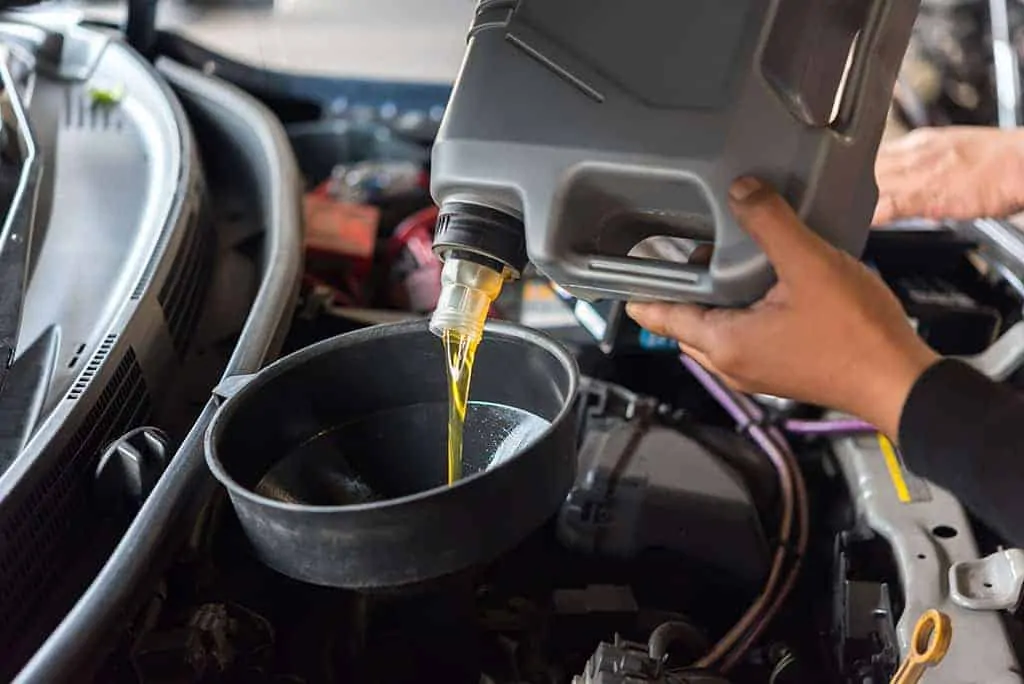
(414,271)
(340,241)
(341,229)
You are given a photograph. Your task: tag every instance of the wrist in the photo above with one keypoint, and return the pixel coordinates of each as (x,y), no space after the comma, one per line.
(889,385)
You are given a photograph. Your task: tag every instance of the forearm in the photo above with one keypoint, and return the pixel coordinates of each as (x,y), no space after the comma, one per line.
(966,434)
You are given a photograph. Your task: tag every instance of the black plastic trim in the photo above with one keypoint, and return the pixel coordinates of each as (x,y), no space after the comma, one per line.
(87,633)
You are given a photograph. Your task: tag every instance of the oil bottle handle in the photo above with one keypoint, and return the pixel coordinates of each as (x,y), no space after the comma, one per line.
(842,184)
(878,53)
(630,278)
(679,277)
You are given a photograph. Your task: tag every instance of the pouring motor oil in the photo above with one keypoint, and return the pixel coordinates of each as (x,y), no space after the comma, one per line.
(579,131)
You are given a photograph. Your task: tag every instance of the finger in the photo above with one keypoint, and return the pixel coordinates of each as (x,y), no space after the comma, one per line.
(897,149)
(701,256)
(906,204)
(893,168)
(920,201)
(685,323)
(885,211)
(702,358)
(898,189)
(774,225)
(919,138)
(698,356)
(900,157)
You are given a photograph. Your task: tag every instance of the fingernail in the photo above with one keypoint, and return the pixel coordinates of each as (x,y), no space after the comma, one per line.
(742,188)
(638,310)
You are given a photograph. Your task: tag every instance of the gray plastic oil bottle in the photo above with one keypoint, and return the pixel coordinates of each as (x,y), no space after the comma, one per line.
(591,134)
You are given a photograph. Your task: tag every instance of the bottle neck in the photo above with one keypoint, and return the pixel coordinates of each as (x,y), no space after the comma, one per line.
(467,290)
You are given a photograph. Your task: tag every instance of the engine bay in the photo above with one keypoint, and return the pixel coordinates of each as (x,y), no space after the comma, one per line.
(709,537)
(661,547)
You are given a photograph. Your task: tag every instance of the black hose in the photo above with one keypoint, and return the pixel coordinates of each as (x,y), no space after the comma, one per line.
(140,29)
(679,632)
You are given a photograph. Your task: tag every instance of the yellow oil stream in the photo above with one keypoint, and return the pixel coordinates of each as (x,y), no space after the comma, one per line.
(460,352)
(467,291)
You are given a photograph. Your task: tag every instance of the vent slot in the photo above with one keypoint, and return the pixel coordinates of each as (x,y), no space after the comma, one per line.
(82,113)
(182,294)
(94,366)
(43,534)
(191,208)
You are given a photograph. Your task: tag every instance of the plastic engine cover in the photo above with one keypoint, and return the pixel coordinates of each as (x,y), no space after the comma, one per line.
(642,486)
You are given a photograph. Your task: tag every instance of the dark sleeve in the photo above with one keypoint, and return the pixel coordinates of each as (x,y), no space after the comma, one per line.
(965,433)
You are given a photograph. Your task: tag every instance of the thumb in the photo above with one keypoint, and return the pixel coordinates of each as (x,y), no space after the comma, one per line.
(685,323)
(773,225)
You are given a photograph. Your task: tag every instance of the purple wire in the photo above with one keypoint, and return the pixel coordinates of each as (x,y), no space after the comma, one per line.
(743,410)
(841,426)
(748,416)
(725,398)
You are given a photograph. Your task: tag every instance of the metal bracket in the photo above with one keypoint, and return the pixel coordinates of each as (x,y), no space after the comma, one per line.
(1004,357)
(995,582)
(927,535)
(607,400)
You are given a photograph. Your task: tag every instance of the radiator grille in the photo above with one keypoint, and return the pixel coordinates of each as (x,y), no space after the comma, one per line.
(90,371)
(184,291)
(42,535)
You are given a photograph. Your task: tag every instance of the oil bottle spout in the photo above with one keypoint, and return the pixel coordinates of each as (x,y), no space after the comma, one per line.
(467,289)
(481,248)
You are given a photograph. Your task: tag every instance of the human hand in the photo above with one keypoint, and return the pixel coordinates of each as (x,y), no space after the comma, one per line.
(829,332)
(959,172)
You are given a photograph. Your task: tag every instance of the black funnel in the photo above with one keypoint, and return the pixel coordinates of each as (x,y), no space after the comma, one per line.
(334,457)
